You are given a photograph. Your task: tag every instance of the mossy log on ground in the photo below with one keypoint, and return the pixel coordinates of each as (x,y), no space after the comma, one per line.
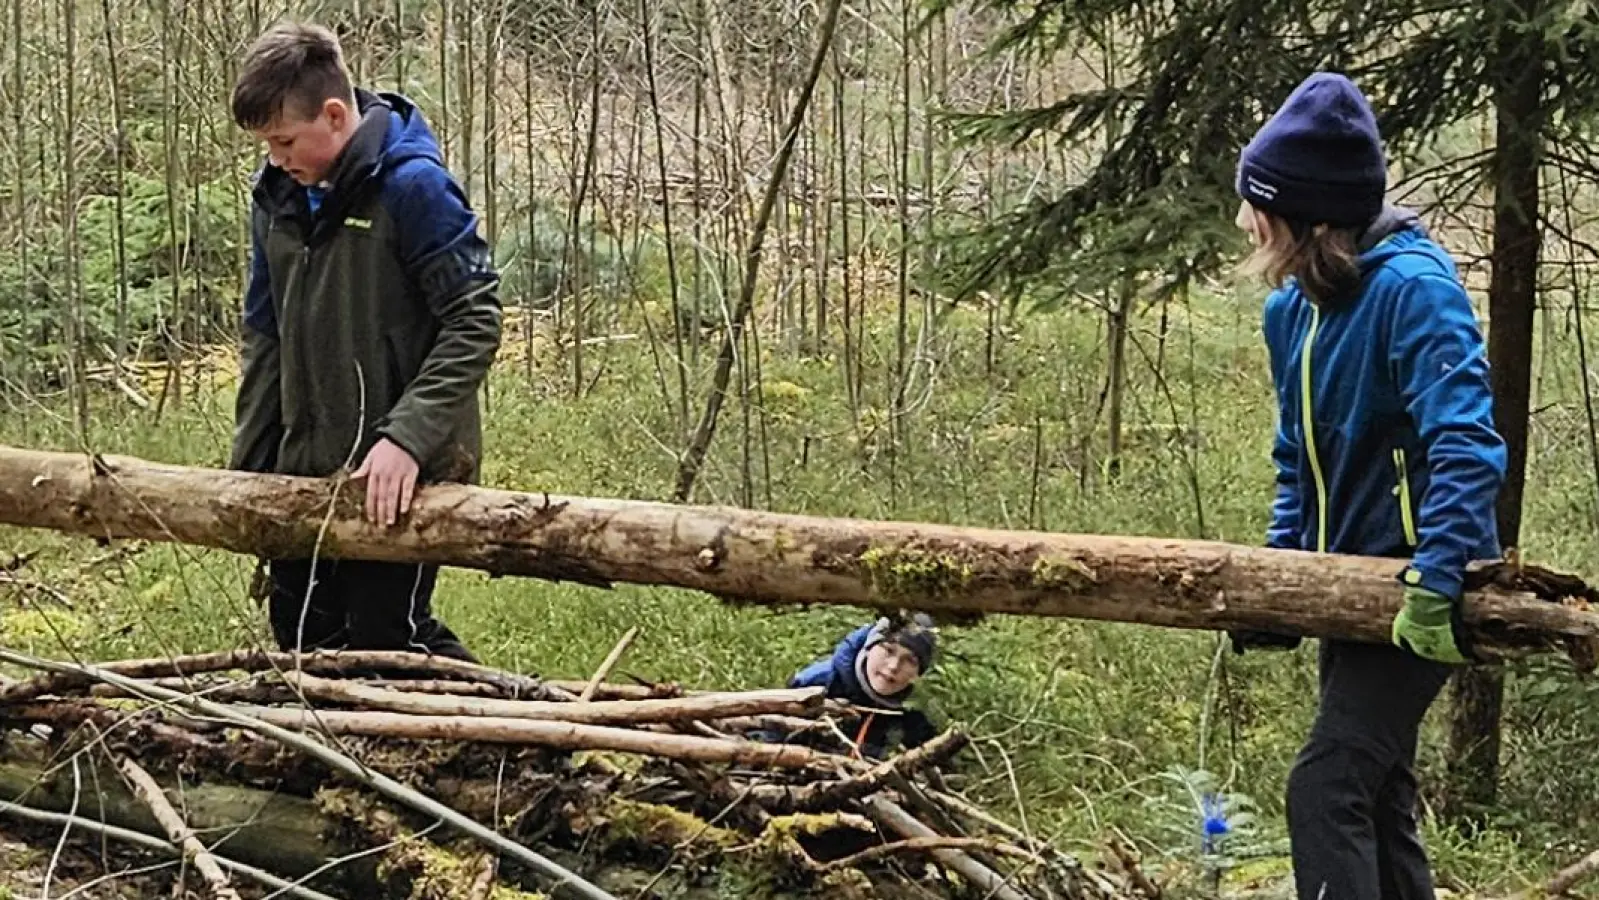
(281,833)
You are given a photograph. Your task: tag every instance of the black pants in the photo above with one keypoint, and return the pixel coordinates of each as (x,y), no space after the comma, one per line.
(1352,790)
(358,605)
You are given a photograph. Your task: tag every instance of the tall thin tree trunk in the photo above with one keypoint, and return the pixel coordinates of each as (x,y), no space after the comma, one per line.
(1512,304)
(646,10)
(18,173)
(467,60)
(530,251)
(77,322)
(1117,337)
(444,130)
(852,388)
(902,297)
(591,150)
(694,457)
(173,319)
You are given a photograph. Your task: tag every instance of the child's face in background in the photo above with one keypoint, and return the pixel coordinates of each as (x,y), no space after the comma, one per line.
(891,667)
(307,148)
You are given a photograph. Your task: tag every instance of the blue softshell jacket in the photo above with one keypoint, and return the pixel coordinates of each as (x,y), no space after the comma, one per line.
(1386,444)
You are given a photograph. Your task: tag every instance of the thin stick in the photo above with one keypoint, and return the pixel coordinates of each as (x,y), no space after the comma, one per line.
(483,884)
(61,843)
(339,763)
(623,691)
(320,662)
(438,686)
(129,836)
(824,794)
(894,818)
(532,732)
(924,844)
(605,667)
(1567,878)
(177,830)
(594,712)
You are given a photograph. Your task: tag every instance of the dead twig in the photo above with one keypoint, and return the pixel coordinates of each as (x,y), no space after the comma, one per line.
(443,686)
(1567,878)
(824,794)
(597,712)
(926,844)
(560,735)
(895,819)
(320,662)
(623,691)
(146,788)
(609,663)
(1127,858)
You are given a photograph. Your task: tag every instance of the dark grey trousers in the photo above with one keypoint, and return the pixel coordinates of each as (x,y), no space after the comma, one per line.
(358,605)
(1352,789)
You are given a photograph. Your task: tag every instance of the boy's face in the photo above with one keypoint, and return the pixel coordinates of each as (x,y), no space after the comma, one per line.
(891,667)
(307,148)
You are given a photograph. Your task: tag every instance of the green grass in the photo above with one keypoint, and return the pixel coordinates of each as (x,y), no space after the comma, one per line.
(1084,722)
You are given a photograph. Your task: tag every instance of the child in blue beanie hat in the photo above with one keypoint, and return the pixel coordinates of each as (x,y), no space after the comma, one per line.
(875,669)
(1385,446)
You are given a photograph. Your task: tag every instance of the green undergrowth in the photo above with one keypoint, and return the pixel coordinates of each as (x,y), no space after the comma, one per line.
(1080,729)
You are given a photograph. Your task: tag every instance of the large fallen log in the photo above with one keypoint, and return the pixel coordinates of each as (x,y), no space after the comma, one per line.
(781,559)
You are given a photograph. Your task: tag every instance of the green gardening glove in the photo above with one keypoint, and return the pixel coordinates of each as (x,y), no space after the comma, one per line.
(1429,626)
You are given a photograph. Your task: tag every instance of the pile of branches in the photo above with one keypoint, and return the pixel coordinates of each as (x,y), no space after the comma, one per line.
(402,775)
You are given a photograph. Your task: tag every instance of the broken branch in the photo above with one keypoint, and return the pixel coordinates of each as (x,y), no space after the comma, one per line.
(146,789)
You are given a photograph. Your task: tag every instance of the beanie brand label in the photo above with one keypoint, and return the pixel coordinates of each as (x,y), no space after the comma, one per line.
(1260,188)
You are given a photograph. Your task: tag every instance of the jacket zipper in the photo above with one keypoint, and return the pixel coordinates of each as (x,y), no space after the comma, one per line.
(291,295)
(1402,491)
(1307,420)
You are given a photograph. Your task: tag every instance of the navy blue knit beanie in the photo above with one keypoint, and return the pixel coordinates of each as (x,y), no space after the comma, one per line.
(919,636)
(1319,159)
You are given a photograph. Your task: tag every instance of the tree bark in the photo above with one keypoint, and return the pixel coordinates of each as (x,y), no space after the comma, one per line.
(783,559)
(1474,737)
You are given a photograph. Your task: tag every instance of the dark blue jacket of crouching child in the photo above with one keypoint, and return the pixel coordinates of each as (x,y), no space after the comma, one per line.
(881,722)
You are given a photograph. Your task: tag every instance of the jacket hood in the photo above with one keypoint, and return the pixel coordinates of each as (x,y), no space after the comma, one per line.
(408,135)
(1396,230)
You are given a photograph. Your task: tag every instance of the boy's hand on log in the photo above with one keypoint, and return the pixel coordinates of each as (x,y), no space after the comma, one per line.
(390,475)
(1429,625)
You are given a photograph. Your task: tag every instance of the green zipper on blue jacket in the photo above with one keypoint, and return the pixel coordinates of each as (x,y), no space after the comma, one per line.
(1307,420)
(1402,491)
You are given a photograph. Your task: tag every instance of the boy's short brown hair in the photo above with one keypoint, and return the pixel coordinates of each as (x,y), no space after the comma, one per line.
(295,65)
